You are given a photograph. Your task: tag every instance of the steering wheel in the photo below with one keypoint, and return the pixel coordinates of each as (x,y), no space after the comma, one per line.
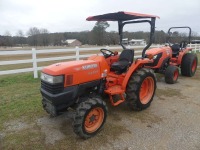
(183,44)
(106,55)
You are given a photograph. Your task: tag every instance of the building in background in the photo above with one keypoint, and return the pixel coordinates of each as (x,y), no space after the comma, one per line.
(72,42)
(195,41)
(137,42)
(125,41)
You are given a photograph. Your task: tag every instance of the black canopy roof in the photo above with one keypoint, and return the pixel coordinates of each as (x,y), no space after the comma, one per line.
(120,16)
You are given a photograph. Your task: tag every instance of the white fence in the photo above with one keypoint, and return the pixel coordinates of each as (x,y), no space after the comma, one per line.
(77,56)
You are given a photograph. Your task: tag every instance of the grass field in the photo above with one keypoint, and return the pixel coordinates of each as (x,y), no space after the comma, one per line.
(20,99)
(19,95)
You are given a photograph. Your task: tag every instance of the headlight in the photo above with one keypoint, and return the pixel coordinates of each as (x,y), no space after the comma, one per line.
(51,79)
(155,56)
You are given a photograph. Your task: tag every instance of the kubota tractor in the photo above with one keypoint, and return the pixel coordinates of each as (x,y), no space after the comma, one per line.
(79,84)
(170,58)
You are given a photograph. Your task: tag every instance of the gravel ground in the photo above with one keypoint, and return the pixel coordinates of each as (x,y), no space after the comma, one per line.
(170,123)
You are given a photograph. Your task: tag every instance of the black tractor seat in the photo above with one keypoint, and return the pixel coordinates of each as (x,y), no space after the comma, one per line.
(125,60)
(175,49)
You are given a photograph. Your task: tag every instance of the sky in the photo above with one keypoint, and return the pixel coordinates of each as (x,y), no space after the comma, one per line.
(70,16)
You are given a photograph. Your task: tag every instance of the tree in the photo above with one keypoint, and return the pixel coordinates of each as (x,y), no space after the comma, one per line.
(20,34)
(112,38)
(99,32)
(56,39)
(33,31)
(33,36)
(8,39)
(160,37)
(44,37)
(194,36)
(7,33)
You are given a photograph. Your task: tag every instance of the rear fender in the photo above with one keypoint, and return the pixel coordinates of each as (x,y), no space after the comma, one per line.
(136,65)
(181,54)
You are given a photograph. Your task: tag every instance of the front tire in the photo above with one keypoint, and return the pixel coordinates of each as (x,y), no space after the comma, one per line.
(140,89)
(189,64)
(171,74)
(90,117)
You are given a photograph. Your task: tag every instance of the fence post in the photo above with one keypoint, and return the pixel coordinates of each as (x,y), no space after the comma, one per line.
(77,53)
(34,57)
(195,47)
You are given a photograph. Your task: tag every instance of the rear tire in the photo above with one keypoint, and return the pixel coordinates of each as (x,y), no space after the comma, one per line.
(90,117)
(171,74)
(140,89)
(189,64)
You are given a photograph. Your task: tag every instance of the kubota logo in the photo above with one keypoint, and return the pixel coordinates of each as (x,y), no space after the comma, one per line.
(91,66)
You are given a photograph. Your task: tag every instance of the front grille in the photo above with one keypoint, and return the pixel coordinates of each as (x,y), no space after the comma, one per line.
(52,88)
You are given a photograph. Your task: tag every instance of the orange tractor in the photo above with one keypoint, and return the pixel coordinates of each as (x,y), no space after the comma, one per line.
(170,58)
(79,84)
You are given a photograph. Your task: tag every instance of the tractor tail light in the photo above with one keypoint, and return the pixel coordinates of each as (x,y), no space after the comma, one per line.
(69,79)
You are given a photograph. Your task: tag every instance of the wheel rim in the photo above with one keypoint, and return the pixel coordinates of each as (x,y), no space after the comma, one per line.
(94,119)
(194,65)
(176,73)
(146,90)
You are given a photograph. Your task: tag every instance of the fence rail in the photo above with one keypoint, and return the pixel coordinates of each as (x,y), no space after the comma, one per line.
(77,56)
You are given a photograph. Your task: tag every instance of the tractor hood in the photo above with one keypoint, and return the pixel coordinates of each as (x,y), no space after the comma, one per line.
(155,51)
(70,67)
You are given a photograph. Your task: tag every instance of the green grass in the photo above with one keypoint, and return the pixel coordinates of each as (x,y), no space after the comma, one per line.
(20,97)
(26,139)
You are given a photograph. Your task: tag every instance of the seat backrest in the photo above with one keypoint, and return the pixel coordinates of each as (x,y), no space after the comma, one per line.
(175,47)
(127,55)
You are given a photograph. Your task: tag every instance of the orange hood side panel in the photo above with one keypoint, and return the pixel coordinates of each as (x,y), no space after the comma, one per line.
(102,61)
(87,73)
(166,53)
(66,67)
(82,70)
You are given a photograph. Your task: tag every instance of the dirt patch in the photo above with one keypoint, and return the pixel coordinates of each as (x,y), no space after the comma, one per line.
(148,118)
(2,135)
(16,125)
(103,140)
(168,92)
(197,75)
(51,127)
(59,130)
